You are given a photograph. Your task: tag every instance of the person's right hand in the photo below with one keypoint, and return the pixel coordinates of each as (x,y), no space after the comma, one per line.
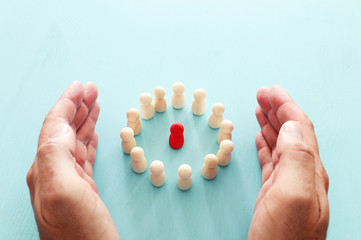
(292,203)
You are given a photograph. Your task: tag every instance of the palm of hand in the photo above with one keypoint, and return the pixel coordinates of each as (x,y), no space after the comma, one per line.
(64,196)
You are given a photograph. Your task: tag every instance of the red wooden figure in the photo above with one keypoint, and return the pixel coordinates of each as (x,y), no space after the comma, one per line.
(176,138)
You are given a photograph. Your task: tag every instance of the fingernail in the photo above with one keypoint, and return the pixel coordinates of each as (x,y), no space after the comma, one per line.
(293,129)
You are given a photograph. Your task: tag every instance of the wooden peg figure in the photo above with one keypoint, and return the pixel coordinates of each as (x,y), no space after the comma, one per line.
(146,106)
(226,131)
(157,175)
(224,153)
(128,140)
(184,180)
(160,104)
(209,168)
(139,163)
(216,117)
(199,105)
(133,120)
(178,98)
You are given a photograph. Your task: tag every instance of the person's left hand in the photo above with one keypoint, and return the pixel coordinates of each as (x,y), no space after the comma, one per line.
(64,196)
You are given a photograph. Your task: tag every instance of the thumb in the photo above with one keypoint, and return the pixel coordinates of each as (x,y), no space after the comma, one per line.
(55,157)
(57,140)
(296,172)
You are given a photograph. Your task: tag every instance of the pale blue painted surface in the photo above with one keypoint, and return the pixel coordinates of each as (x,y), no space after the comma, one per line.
(230,48)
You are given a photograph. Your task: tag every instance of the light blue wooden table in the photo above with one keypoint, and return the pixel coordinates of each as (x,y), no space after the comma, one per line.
(230,48)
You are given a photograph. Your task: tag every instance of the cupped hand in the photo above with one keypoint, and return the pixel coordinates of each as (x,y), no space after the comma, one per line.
(64,196)
(292,203)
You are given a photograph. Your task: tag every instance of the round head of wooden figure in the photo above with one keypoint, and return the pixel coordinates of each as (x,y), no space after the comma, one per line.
(156,167)
(226,126)
(178,88)
(127,134)
(199,94)
(226,146)
(211,160)
(185,171)
(133,115)
(137,153)
(218,109)
(145,99)
(159,92)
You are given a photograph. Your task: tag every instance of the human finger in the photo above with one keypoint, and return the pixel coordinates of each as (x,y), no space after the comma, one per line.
(90,96)
(91,154)
(85,132)
(80,116)
(57,145)
(287,110)
(268,131)
(263,95)
(264,157)
(62,113)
